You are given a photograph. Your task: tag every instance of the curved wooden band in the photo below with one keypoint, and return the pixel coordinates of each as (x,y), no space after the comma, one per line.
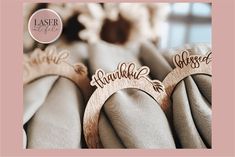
(64,70)
(98,98)
(50,62)
(178,74)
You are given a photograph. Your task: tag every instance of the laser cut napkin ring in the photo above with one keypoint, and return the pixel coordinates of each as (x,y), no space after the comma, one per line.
(50,62)
(127,76)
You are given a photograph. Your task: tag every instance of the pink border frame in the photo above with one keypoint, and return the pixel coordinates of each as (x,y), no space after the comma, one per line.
(12,89)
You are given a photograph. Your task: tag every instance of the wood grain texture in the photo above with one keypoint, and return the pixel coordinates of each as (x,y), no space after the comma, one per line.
(91,116)
(176,75)
(187,65)
(50,62)
(127,76)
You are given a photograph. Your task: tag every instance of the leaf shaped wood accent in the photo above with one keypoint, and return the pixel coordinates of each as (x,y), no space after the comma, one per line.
(80,68)
(157,86)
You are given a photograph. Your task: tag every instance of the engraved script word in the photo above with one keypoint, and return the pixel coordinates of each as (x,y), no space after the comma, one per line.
(50,55)
(184,59)
(100,79)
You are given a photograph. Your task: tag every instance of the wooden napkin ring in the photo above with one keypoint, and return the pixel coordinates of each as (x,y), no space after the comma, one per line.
(127,76)
(50,62)
(187,65)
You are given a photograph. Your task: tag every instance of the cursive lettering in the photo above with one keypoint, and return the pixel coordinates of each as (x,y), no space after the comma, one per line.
(129,71)
(184,59)
(50,55)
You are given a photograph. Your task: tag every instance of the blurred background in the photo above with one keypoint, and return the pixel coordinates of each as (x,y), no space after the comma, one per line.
(187,23)
(167,25)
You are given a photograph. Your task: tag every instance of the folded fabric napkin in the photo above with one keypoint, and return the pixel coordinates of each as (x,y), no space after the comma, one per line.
(191,99)
(53,109)
(131,118)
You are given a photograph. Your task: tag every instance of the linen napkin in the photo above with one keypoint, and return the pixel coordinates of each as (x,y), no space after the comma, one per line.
(57,123)
(191,101)
(130,117)
(53,108)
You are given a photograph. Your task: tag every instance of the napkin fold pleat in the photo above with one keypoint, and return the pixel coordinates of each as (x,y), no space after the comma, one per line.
(35,94)
(204,83)
(137,119)
(183,121)
(57,123)
(201,110)
(159,67)
(106,56)
(108,135)
(190,101)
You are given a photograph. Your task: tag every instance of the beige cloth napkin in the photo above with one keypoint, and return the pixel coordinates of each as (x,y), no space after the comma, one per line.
(131,118)
(191,99)
(57,123)
(54,106)
(53,109)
